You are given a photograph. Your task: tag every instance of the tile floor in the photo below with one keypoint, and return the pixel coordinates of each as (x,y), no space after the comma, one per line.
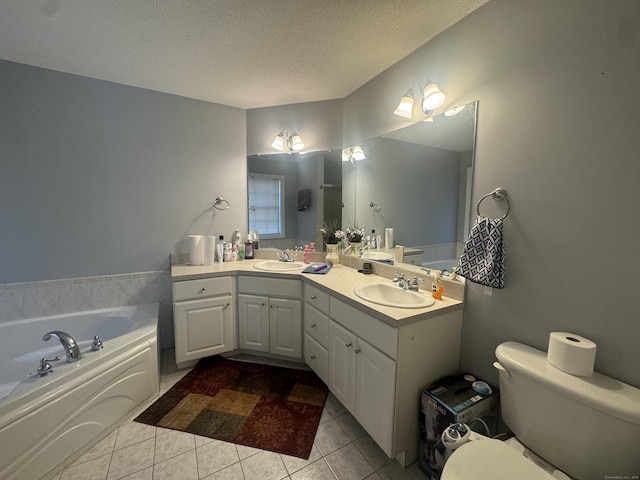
(342,451)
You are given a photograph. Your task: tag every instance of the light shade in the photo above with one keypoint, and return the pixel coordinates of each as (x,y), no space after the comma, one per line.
(358,153)
(278,142)
(432,97)
(295,142)
(405,107)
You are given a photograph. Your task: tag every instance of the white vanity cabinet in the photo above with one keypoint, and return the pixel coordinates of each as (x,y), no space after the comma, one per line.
(270,315)
(204,317)
(361,376)
(378,368)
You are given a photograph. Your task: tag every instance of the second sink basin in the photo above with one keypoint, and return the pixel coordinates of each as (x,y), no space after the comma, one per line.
(277,266)
(377,256)
(392,295)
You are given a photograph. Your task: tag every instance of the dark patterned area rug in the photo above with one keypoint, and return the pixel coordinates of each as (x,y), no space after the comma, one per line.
(261,406)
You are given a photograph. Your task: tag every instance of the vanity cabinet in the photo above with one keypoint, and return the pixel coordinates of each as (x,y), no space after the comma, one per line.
(378,368)
(363,378)
(204,318)
(270,315)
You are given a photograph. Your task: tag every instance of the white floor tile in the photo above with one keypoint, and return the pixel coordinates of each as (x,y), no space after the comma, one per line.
(318,470)
(234,472)
(330,437)
(293,464)
(133,432)
(131,459)
(183,467)
(172,444)
(264,466)
(146,474)
(103,447)
(349,464)
(215,456)
(95,469)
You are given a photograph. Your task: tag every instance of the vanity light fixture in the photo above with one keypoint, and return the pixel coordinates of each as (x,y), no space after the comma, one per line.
(431,96)
(353,154)
(288,138)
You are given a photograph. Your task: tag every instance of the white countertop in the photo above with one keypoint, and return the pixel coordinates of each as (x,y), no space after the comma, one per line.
(339,281)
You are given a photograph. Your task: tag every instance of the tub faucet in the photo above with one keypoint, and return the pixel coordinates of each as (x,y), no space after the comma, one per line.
(70,346)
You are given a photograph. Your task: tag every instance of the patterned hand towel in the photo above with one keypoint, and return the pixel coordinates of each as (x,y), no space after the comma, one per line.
(482,260)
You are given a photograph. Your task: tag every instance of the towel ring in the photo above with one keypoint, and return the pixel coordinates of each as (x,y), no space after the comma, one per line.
(497,194)
(219,204)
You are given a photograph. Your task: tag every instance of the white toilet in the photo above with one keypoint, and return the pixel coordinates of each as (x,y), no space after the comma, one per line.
(586,427)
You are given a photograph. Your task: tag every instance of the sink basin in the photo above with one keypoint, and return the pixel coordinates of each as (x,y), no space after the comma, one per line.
(276,266)
(377,256)
(391,295)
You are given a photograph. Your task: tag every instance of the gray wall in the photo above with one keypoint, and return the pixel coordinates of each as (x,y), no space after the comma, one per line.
(558,88)
(98,178)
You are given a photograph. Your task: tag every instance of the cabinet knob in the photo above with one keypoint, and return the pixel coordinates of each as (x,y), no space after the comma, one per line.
(203,289)
(313,357)
(357,350)
(263,304)
(313,325)
(313,297)
(348,344)
(227,304)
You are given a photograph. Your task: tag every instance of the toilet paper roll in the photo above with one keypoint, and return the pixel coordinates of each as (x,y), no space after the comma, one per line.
(572,353)
(388,238)
(208,249)
(195,249)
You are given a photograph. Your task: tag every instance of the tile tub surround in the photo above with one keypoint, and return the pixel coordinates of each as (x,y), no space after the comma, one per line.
(20,301)
(341,451)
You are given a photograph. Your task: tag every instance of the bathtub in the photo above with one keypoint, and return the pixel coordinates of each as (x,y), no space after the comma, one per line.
(447,264)
(47,422)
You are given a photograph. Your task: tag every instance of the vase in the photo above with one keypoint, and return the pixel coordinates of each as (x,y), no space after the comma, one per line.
(355,249)
(332,257)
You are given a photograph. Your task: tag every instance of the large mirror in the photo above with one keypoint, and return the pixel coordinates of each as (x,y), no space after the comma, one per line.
(291,196)
(417,181)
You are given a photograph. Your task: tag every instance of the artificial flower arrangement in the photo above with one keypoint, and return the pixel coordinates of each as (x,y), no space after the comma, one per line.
(331,234)
(355,235)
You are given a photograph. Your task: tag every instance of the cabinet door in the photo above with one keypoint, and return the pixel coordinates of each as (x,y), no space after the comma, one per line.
(203,327)
(375,393)
(342,365)
(285,325)
(253,322)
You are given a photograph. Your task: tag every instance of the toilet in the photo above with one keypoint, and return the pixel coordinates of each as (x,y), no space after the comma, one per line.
(585,427)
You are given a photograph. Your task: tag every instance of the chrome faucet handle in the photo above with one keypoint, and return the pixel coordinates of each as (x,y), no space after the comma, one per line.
(398,276)
(97,344)
(45,367)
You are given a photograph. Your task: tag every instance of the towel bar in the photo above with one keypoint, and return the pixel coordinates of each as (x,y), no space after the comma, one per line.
(498,194)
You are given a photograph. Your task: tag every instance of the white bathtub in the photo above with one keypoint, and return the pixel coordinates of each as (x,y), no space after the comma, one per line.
(448,264)
(46,422)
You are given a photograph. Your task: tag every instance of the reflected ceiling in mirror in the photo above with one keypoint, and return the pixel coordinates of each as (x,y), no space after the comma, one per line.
(418,179)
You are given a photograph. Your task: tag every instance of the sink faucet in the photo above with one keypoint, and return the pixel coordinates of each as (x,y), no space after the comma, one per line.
(405,284)
(287,256)
(70,346)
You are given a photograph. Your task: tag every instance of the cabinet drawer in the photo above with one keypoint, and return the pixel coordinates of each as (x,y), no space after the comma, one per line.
(317,357)
(316,297)
(201,288)
(274,287)
(379,334)
(316,324)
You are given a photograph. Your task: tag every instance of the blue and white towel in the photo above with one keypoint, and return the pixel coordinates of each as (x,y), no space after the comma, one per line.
(482,260)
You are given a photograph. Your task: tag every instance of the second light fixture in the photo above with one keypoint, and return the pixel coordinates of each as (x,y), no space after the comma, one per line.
(288,138)
(431,97)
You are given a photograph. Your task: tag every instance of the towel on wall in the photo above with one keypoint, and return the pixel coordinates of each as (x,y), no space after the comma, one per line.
(482,260)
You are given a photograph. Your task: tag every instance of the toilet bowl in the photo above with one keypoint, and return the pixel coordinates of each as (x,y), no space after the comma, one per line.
(587,427)
(491,459)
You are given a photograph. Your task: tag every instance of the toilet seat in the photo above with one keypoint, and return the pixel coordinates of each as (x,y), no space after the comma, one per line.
(483,459)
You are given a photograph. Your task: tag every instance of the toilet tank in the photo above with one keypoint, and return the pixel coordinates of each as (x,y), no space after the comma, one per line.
(588,427)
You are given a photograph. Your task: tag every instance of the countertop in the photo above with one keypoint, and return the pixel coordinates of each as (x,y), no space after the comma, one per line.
(338,282)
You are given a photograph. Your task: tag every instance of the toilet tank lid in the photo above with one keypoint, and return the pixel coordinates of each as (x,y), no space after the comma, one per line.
(603,393)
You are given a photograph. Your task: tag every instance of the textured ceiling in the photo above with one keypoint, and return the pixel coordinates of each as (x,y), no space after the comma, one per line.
(243,53)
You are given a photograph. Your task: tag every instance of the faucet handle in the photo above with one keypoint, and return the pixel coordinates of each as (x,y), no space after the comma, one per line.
(45,367)
(97,344)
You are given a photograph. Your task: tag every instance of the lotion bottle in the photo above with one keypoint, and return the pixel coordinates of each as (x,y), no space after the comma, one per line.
(436,286)
(306,254)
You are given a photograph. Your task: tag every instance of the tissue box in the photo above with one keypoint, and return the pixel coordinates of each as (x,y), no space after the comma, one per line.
(460,398)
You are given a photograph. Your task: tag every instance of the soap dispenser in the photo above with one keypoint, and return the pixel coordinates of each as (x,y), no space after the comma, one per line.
(436,286)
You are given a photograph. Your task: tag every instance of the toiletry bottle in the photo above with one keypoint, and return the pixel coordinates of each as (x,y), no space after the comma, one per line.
(436,286)
(220,249)
(248,250)
(241,251)
(227,252)
(373,243)
(234,253)
(312,247)
(306,254)
(235,238)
